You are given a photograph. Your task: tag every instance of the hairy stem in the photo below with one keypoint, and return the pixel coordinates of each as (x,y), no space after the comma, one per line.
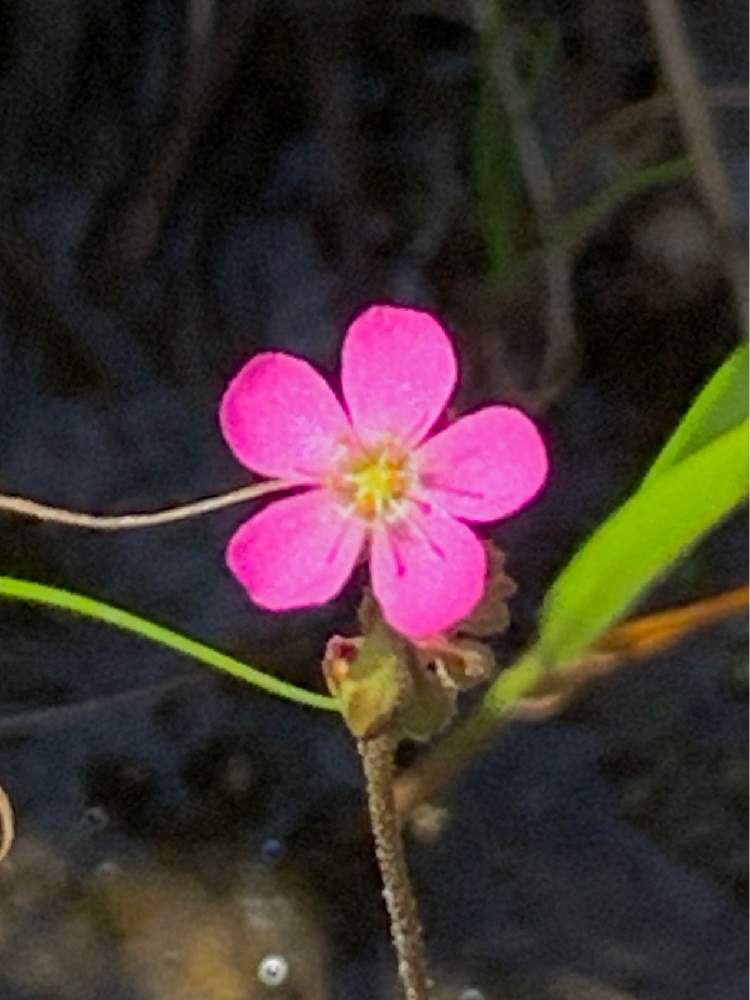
(378,761)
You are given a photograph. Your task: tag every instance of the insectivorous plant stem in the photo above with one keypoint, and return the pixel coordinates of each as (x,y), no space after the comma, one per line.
(119,522)
(378,760)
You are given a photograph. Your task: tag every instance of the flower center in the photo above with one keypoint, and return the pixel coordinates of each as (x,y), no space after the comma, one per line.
(375,482)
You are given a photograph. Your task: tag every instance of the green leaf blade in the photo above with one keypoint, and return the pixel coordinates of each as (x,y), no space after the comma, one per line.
(721,405)
(28,590)
(639,542)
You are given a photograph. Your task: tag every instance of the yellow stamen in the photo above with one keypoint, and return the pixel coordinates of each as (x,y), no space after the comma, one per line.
(340,670)
(374,482)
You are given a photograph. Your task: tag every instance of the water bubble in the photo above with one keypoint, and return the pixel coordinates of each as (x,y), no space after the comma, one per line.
(107,870)
(471,994)
(272,849)
(96,817)
(273,970)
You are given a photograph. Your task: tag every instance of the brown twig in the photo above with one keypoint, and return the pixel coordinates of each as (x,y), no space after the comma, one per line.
(700,138)
(378,762)
(633,116)
(7,824)
(120,522)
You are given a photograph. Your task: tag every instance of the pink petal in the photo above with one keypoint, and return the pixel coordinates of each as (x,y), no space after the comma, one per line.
(280,418)
(297,552)
(428,571)
(398,371)
(485,466)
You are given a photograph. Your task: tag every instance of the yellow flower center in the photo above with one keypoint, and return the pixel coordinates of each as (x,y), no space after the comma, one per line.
(374,483)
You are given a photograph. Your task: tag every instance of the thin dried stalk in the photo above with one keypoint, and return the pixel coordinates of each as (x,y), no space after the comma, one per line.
(7,824)
(119,522)
(700,138)
(638,114)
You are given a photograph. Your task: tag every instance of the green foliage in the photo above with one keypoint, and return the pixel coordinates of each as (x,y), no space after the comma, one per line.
(721,405)
(26,590)
(498,177)
(497,174)
(701,474)
(578,225)
(574,229)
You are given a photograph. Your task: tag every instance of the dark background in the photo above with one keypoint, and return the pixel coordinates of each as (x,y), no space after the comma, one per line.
(184,184)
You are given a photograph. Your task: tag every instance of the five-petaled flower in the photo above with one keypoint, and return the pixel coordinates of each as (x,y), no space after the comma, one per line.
(371,476)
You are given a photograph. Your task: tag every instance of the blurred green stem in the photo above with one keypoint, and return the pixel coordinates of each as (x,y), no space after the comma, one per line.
(560,349)
(574,229)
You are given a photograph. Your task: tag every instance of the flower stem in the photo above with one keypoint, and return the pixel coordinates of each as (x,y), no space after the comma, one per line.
(378,761)
(119,522)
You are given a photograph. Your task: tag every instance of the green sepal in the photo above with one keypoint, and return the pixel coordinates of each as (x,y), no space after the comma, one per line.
(369,678)
(429,708)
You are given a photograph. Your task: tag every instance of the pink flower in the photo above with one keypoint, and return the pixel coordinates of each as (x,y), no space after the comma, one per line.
(373,477)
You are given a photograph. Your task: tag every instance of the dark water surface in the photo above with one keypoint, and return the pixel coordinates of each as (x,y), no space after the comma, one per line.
(165,212)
